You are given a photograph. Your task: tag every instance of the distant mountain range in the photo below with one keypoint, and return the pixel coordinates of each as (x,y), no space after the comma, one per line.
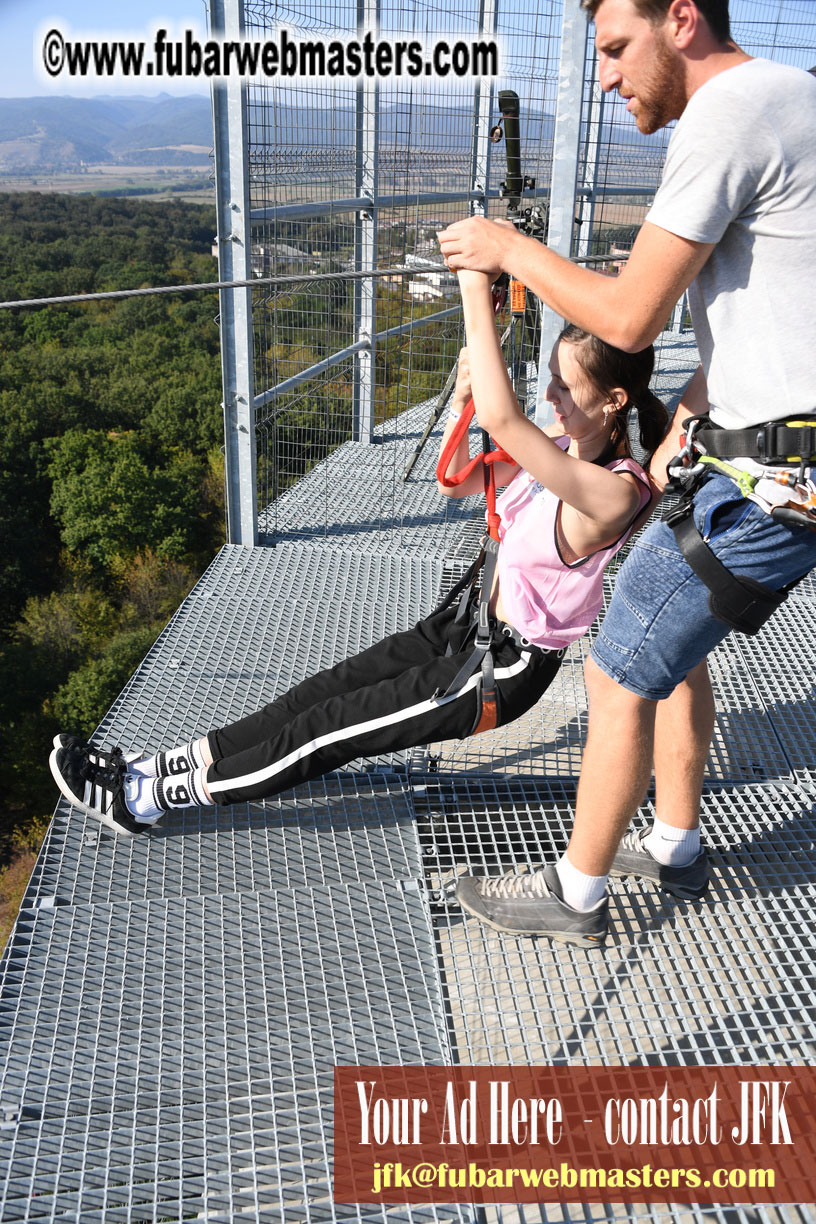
(63,133)
(38,134)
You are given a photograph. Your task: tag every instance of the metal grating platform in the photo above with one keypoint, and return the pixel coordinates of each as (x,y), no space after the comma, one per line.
(780,661)
(358,499)
(257,622)
(139,1016)
(171,1009)
(349,827)
(674,1213)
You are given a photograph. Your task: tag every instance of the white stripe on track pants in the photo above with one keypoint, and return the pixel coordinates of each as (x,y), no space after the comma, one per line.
(376,702)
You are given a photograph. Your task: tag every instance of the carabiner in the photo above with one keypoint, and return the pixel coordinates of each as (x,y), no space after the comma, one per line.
(678,468)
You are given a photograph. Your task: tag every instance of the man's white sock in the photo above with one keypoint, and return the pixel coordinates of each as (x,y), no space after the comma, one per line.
(671,846)
(581,891)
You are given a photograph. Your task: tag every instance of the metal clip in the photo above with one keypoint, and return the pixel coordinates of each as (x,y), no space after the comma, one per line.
(678,469)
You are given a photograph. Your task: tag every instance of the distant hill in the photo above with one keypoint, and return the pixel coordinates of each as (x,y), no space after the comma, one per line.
(62,133)
(39,134)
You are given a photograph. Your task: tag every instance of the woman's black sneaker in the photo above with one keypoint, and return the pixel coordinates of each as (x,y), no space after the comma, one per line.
(98,756)
(94,781)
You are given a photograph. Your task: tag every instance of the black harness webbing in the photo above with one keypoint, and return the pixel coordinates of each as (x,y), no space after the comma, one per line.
(481,657)
(739,601)
(792,441)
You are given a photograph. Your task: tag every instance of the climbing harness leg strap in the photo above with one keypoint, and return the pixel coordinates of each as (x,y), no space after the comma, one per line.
(739,601)
(481,657)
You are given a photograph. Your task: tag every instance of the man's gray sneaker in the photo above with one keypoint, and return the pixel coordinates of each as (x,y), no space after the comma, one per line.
(532,904)
(633,858)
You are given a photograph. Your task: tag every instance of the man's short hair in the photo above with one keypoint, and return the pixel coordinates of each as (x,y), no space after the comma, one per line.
(714,11)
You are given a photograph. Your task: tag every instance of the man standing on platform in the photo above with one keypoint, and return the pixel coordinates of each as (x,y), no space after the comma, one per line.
(734,222)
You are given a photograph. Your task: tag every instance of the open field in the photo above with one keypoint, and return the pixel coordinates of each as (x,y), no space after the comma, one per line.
(323,182)
(191,183)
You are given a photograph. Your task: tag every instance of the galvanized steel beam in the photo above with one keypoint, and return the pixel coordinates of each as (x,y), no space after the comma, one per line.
(365,236)
(235,305)
(482,113)
(564,171)
(588,190)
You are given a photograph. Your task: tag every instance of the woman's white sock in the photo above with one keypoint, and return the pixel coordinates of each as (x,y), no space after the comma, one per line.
(183,790)
(149,798)
(170,763)
(140,799)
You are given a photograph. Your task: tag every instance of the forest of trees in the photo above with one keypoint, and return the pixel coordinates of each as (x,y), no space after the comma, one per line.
(111,472)
(111,465)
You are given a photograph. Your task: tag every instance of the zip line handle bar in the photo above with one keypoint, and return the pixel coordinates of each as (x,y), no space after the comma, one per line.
(514,183)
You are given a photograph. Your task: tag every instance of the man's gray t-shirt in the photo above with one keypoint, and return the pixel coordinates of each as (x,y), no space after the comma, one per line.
(741,172)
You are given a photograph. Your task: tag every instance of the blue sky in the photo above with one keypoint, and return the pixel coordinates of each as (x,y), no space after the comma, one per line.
(20,20)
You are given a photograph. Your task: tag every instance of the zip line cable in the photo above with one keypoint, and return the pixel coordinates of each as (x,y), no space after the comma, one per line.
(258,281)
(205,285)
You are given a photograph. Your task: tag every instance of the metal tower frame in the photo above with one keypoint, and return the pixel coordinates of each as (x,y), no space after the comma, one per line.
(235,214)
(563,187)
(234,264)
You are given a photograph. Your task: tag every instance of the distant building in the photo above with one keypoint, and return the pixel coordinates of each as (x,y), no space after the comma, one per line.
(435,283)
(618,254)
(266,258)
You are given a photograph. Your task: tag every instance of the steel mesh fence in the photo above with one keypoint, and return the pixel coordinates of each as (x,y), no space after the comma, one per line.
(355,180)
(305,176)
(780,30)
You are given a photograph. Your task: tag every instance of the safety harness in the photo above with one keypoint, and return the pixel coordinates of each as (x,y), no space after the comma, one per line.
(775,471)
(481,658)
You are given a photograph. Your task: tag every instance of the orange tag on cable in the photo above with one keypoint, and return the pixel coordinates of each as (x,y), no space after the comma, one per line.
(518,297)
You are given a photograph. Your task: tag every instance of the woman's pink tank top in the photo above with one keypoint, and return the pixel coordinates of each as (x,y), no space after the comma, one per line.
(550,601)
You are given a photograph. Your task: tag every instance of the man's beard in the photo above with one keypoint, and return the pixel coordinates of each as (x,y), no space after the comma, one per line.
(662,96)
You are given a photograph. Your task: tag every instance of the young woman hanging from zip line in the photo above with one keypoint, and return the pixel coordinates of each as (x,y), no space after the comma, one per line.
(481,658)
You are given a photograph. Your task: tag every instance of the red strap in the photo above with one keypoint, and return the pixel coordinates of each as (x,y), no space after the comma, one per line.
(459,431)
(498,455)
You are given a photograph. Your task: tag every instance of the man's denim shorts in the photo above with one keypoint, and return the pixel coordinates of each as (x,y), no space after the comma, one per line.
(659,625)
